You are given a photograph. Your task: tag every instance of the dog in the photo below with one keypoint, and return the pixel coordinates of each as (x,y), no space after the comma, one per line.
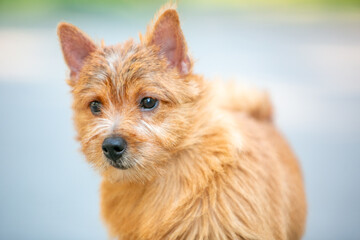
(180,157)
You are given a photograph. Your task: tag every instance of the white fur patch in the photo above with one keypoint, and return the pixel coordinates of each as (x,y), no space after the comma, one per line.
(113,61)
(237,140)
(150,130)
(101,75)
(116,58)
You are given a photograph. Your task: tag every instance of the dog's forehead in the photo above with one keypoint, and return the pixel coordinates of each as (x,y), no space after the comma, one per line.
(121,55)
(129,61)
(123,68)
(121,64)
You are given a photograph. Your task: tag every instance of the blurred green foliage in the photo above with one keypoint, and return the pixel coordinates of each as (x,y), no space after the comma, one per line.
(7,6)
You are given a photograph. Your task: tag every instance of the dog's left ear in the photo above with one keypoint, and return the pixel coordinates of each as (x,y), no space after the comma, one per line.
(165,32)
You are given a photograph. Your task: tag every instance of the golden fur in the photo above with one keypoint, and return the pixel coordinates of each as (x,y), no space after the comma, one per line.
(207,163)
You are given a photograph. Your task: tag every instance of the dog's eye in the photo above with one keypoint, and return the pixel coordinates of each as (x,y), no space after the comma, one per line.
(149,103)
(95,107)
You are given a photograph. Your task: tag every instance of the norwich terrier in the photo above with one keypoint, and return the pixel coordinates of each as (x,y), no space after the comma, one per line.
(181,157)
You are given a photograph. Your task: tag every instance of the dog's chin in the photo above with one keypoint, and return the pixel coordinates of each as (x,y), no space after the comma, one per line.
(129,171)
(121,175)
(119,165)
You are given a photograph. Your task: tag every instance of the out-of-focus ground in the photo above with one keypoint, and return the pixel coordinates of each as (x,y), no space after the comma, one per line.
(308,60)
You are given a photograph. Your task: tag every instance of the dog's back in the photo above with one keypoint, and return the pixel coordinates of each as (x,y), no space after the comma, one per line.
(243,98)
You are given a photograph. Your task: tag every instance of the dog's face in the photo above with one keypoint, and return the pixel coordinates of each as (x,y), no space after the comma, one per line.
(132,101)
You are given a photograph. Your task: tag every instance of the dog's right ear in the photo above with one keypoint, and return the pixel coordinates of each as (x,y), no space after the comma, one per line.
(76,46)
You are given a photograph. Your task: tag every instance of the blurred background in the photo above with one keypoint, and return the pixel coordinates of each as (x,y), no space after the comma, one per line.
(305,53)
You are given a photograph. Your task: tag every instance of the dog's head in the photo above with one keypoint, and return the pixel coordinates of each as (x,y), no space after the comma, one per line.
(132,101)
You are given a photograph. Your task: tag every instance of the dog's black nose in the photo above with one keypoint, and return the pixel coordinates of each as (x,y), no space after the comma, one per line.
(114,147)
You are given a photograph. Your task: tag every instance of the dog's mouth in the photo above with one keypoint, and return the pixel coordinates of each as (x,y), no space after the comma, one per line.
(122,163)
(118,164)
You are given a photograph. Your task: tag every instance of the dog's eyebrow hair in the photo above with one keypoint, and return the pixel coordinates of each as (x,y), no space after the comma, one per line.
(121,64)
(97,80)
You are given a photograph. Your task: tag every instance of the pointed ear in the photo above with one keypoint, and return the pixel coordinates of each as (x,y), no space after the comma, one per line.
(165,32)
(75,45)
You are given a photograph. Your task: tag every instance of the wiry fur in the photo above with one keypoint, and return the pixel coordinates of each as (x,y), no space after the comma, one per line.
(207,163)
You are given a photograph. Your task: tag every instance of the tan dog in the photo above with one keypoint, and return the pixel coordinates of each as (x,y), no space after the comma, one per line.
(181,158)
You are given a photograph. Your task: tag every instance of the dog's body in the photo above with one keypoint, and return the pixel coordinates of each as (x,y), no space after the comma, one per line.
(215,192)
(202,162)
